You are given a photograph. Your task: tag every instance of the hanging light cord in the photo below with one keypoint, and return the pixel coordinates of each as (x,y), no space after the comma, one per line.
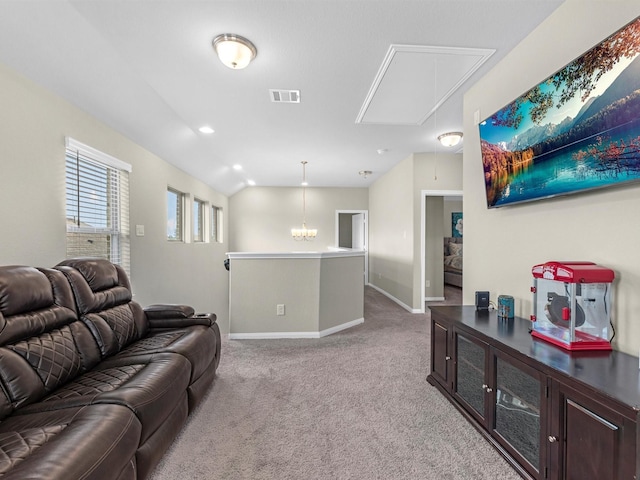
(304,196)
(435,117)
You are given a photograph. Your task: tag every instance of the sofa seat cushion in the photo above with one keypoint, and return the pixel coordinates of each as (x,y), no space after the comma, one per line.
(150,385)
(197,343)
(95,441)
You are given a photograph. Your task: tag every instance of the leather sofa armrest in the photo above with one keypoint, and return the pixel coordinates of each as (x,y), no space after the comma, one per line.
(161,310)
(176,316)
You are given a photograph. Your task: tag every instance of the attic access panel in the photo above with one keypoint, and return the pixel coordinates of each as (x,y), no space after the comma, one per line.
(414,80)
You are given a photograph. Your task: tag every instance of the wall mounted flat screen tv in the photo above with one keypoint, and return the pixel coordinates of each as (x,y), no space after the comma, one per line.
(577,130)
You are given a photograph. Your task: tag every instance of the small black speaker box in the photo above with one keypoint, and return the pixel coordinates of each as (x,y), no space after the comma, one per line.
(482,301)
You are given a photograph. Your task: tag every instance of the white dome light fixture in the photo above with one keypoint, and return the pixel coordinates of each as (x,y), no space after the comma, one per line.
(450,139)
(234,51)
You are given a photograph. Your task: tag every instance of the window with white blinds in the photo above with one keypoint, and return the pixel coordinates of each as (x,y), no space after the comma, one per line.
(97,204)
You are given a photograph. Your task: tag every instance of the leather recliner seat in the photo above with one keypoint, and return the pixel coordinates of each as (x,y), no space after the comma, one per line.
(104,302)
(92,386)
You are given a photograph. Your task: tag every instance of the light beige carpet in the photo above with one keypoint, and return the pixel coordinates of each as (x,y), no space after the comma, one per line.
(353,405)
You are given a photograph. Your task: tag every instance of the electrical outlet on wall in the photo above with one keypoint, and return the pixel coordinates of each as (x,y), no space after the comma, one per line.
(280,309)
(427,283)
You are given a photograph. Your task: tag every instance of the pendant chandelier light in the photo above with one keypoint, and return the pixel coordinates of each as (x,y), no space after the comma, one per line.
(304,233)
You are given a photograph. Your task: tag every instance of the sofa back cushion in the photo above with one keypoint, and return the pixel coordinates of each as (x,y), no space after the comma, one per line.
(24,289)
(43,344)
(104,301)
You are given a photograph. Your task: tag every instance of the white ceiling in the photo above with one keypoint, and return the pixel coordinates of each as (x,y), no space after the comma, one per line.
(147,69)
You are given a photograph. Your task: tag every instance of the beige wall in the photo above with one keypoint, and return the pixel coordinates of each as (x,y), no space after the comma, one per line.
(391,232)
(318,294)
(264,216)
(34,124)
(259,285)
(434,256)
(395,209)
(501,245)
(341,291)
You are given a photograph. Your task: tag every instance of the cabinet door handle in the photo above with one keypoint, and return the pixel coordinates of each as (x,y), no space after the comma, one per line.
(489,390)
(484,386)
(552,439)
(447,358)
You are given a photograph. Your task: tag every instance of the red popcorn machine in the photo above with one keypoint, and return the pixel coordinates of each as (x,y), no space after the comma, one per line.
(572,304)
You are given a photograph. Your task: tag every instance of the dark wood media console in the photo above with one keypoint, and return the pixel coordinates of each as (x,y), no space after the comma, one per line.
(553,414)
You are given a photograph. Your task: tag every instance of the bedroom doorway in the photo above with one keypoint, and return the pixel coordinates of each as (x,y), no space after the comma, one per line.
(436,224)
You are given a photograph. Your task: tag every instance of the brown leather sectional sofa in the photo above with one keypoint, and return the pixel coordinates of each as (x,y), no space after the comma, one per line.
(94,386)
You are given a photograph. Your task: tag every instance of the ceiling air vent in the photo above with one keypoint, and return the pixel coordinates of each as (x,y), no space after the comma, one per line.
(285,96)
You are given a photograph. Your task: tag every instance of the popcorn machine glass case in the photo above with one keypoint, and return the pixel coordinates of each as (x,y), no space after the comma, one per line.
(572,304)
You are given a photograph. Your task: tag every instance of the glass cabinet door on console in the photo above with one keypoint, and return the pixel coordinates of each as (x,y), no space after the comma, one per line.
(518,413)
(470,379)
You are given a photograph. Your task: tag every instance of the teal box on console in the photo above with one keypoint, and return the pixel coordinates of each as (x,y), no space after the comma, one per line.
(505,306)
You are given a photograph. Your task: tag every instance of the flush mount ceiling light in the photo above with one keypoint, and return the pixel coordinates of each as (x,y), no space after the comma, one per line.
(206,129)
(450,139)
(234,51)
(365,173)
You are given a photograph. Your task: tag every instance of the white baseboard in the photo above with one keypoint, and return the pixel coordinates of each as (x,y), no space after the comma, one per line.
(274,335)
(403,305)
(339,328)
(434,299)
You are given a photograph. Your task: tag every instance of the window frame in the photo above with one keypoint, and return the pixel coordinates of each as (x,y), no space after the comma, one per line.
(97,191)
(179,215)
(198,227)
(216,234)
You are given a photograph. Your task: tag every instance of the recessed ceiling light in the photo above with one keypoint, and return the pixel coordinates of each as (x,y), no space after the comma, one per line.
(251,183)
(206,129)
(237,167)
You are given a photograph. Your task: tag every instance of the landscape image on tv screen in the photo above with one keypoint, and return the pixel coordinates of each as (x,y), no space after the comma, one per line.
(577,130)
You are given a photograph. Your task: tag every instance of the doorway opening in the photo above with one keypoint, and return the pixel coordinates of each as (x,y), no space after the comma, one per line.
(433,231)
(352,232)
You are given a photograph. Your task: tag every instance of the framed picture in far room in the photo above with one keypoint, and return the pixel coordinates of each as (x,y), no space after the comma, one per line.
(456,224)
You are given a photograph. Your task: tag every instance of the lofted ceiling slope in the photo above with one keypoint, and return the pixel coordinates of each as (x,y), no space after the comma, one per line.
(147,69)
